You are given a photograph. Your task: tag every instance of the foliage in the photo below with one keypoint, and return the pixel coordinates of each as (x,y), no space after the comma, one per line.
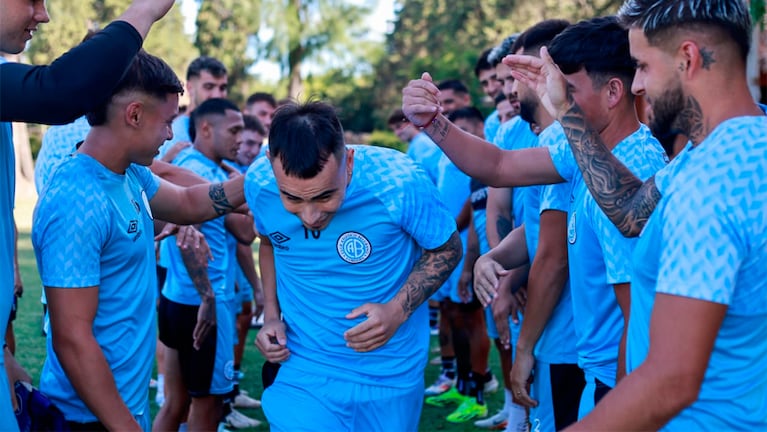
(387,139)
(225,30)
(758,10)
(71,19)
(322,31)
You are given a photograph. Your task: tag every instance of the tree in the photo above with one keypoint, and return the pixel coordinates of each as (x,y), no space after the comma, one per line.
(314,30)
(226,30)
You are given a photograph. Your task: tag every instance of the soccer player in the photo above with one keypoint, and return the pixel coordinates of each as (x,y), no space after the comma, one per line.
(58,93)
(353,242)
(697,319)
(93,238)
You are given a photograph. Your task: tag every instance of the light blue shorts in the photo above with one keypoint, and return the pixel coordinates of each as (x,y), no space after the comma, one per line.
(300,401)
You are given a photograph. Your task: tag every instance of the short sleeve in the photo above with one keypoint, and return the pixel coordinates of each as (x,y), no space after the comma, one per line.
(255,178)
(559,149)
(149,182)
(70,228)
(556,197)
(702,248)
(422,213)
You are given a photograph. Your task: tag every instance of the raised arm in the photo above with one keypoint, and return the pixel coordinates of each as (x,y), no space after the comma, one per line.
(65,90)
(472,155)
(624,198)
(195,204)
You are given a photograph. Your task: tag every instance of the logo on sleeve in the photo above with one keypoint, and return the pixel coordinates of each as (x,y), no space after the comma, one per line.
(571,234)
(353,247)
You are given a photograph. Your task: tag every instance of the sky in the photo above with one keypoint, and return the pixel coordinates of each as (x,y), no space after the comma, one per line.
(378,22)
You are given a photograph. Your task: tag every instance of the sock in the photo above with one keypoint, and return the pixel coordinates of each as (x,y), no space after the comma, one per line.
(476,387)
(507,400)
(448,367)
(488,375)
(160,383)
(433,316)
(517,416)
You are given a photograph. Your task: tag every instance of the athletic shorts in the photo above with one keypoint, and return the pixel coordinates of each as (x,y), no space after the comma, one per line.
(301,401)
(558,389)
(594,391)
(209,370)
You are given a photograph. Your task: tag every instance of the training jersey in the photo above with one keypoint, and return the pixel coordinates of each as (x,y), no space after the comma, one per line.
(180,127)
(7,236)
(93,227)
(599,255)
(391,212)
(426,153)
(709,242)
(178,285)
(59,142)
(454,188)
(492,123)
(515,134)
(479,213)
(556,344)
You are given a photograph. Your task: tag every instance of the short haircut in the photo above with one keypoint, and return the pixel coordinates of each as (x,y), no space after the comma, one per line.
(397,116)
(453,84)
(261,97)
(469,113)
(600,46)
(147,74)
(304,136)
(539,35)
(502,50)
(214,106)
(253,124)
(500,97)
(207,64)
(482,62)
(659,19)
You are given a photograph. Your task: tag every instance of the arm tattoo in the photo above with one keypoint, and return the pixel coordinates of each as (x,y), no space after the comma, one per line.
(504,227)
(196,264)
(218,197)
(624,198)
(429,273)
(438,129)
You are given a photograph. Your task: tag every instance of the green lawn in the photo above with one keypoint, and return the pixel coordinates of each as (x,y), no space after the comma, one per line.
(31,350)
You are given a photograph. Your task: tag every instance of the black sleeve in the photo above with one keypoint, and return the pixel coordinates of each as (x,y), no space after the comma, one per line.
(73,84)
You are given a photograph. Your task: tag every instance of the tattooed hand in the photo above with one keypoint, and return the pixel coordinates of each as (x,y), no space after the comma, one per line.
(544,77)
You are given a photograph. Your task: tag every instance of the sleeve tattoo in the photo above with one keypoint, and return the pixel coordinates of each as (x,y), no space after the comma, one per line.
(218,197)
(624,198)
(429,273)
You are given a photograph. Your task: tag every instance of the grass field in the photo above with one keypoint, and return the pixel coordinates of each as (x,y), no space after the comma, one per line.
(31,350)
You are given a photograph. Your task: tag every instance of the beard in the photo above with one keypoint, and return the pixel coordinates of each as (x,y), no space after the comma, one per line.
(666,113)
(527,110)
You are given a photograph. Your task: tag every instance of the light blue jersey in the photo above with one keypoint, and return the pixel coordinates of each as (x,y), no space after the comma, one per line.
(93,228)
(492,123)
(515,134)
(454,190)
(426,153)
(180,129)
(7,236)
(710,243)
(600,256)
(391,211)
(59,142)
(557,342)
(178,285)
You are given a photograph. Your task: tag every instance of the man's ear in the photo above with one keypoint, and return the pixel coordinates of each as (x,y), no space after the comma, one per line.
(134,113)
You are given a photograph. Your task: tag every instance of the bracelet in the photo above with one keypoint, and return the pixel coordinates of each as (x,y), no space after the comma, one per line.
(431,120)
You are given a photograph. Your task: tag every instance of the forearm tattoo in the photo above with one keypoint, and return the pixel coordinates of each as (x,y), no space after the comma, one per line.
(218,197)
(196,265)
(438,129)
(624,198)
(429,273)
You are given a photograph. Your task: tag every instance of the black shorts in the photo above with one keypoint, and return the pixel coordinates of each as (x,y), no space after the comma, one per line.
(567,383)
(176,325)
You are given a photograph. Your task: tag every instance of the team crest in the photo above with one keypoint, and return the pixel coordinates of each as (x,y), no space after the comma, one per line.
(571,233)
(353,247)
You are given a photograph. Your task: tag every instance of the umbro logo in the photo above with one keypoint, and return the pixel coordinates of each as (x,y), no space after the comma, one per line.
(278,237)
(132,226)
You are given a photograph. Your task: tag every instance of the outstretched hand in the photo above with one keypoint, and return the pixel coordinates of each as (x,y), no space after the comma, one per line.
(420,103)
(544,77)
